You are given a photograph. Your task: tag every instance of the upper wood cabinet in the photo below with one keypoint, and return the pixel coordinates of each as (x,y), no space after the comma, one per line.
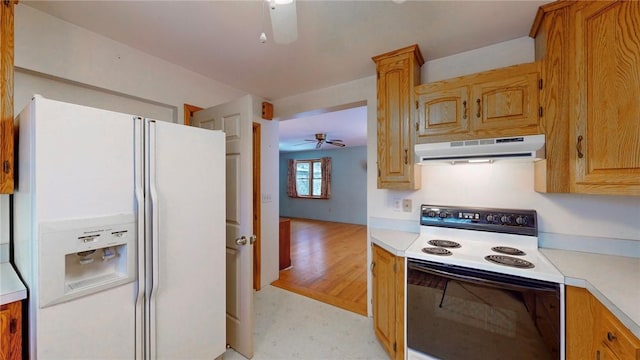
(397,73)
(443,110)
(589,53)
(605,126)
(494,103)
(593,332)
(388,300)
(6,97)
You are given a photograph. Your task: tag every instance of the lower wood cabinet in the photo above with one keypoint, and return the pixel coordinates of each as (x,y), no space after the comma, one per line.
(11,331)
(593,332)
(388,301)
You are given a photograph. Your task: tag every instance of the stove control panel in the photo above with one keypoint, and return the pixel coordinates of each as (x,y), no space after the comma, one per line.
(510,221)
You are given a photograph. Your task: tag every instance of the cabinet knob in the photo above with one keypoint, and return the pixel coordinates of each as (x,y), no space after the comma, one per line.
(610,336)
(479,113)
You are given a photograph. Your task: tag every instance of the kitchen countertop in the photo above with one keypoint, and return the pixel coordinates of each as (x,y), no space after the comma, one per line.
(612,279)
(394,241)
(11,288)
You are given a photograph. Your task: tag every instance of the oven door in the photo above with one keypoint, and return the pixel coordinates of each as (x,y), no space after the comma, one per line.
(461,313)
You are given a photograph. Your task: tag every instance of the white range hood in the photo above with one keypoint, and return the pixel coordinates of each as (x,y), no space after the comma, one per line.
(529,148)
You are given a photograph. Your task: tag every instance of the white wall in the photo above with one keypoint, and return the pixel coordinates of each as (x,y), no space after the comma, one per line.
(65,62)
(269,201)
(508,184)
(50,46)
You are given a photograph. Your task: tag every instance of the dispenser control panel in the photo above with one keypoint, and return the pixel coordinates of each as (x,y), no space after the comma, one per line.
(79,257)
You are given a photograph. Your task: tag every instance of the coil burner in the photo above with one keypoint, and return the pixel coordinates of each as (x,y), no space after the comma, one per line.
(444,243)
(436,251)
(509,261)
(508,250)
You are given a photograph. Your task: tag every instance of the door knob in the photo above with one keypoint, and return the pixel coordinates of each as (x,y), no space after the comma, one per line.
(241,241)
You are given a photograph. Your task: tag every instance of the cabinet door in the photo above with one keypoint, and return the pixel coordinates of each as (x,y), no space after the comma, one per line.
(384,309)
(507,105)
(443,111)
(6,97)
(606,121)
(395,150)
(11,331)
(604,353)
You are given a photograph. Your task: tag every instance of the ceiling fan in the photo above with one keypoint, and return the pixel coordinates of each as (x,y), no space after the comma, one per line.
(321,138)
(284,21)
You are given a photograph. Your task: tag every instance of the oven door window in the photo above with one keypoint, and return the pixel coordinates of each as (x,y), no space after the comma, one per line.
(460,313)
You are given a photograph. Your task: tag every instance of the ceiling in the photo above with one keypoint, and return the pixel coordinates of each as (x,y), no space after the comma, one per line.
(348,125)
(336,39)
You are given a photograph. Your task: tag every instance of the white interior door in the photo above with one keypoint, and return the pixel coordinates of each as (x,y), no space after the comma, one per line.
(235,119)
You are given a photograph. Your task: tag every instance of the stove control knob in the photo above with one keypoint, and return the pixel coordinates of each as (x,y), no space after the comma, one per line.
(521,220)
(506,219)
(443,215)
(491,218)
(431,214)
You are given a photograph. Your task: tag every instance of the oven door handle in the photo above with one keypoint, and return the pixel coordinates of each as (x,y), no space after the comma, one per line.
(477,280)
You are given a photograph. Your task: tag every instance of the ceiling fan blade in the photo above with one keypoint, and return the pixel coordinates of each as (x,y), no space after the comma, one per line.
(336,143)
(284,22)
(318,145)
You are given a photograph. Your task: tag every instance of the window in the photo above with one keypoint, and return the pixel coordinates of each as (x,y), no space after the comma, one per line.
(309,178)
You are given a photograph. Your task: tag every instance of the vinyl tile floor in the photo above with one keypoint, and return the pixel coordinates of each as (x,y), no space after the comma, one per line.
(291,326)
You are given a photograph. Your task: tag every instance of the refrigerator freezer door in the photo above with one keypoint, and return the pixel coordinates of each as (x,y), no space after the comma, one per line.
(186,182)
(75,162)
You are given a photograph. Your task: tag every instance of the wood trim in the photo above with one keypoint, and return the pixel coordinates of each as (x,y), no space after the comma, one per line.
(257,218)
(409,49)
(267,110)
(543,10)
(6,97)
(188,112)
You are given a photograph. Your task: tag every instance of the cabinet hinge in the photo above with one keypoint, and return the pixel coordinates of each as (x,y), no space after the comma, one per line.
(417,126)
(416,104)
(540,84)
(378,171)
(395,347)
(540,111)
(13,326)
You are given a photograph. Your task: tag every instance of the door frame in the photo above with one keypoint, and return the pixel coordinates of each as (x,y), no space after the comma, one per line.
(188,112)
(257,218)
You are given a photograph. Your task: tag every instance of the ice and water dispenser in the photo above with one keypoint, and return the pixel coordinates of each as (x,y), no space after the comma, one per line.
(79,257)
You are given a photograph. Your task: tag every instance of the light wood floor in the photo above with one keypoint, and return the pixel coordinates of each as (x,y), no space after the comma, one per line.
(328,263)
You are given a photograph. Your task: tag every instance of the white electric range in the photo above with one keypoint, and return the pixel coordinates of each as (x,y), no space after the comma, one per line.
(476,276)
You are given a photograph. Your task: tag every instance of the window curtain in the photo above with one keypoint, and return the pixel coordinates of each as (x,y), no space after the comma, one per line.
(325,191)
(291,179)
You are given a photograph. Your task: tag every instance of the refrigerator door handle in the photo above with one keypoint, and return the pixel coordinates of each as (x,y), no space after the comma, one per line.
(140,205)
(154,237)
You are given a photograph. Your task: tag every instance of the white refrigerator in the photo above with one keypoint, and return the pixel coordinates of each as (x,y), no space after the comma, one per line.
(119,235)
